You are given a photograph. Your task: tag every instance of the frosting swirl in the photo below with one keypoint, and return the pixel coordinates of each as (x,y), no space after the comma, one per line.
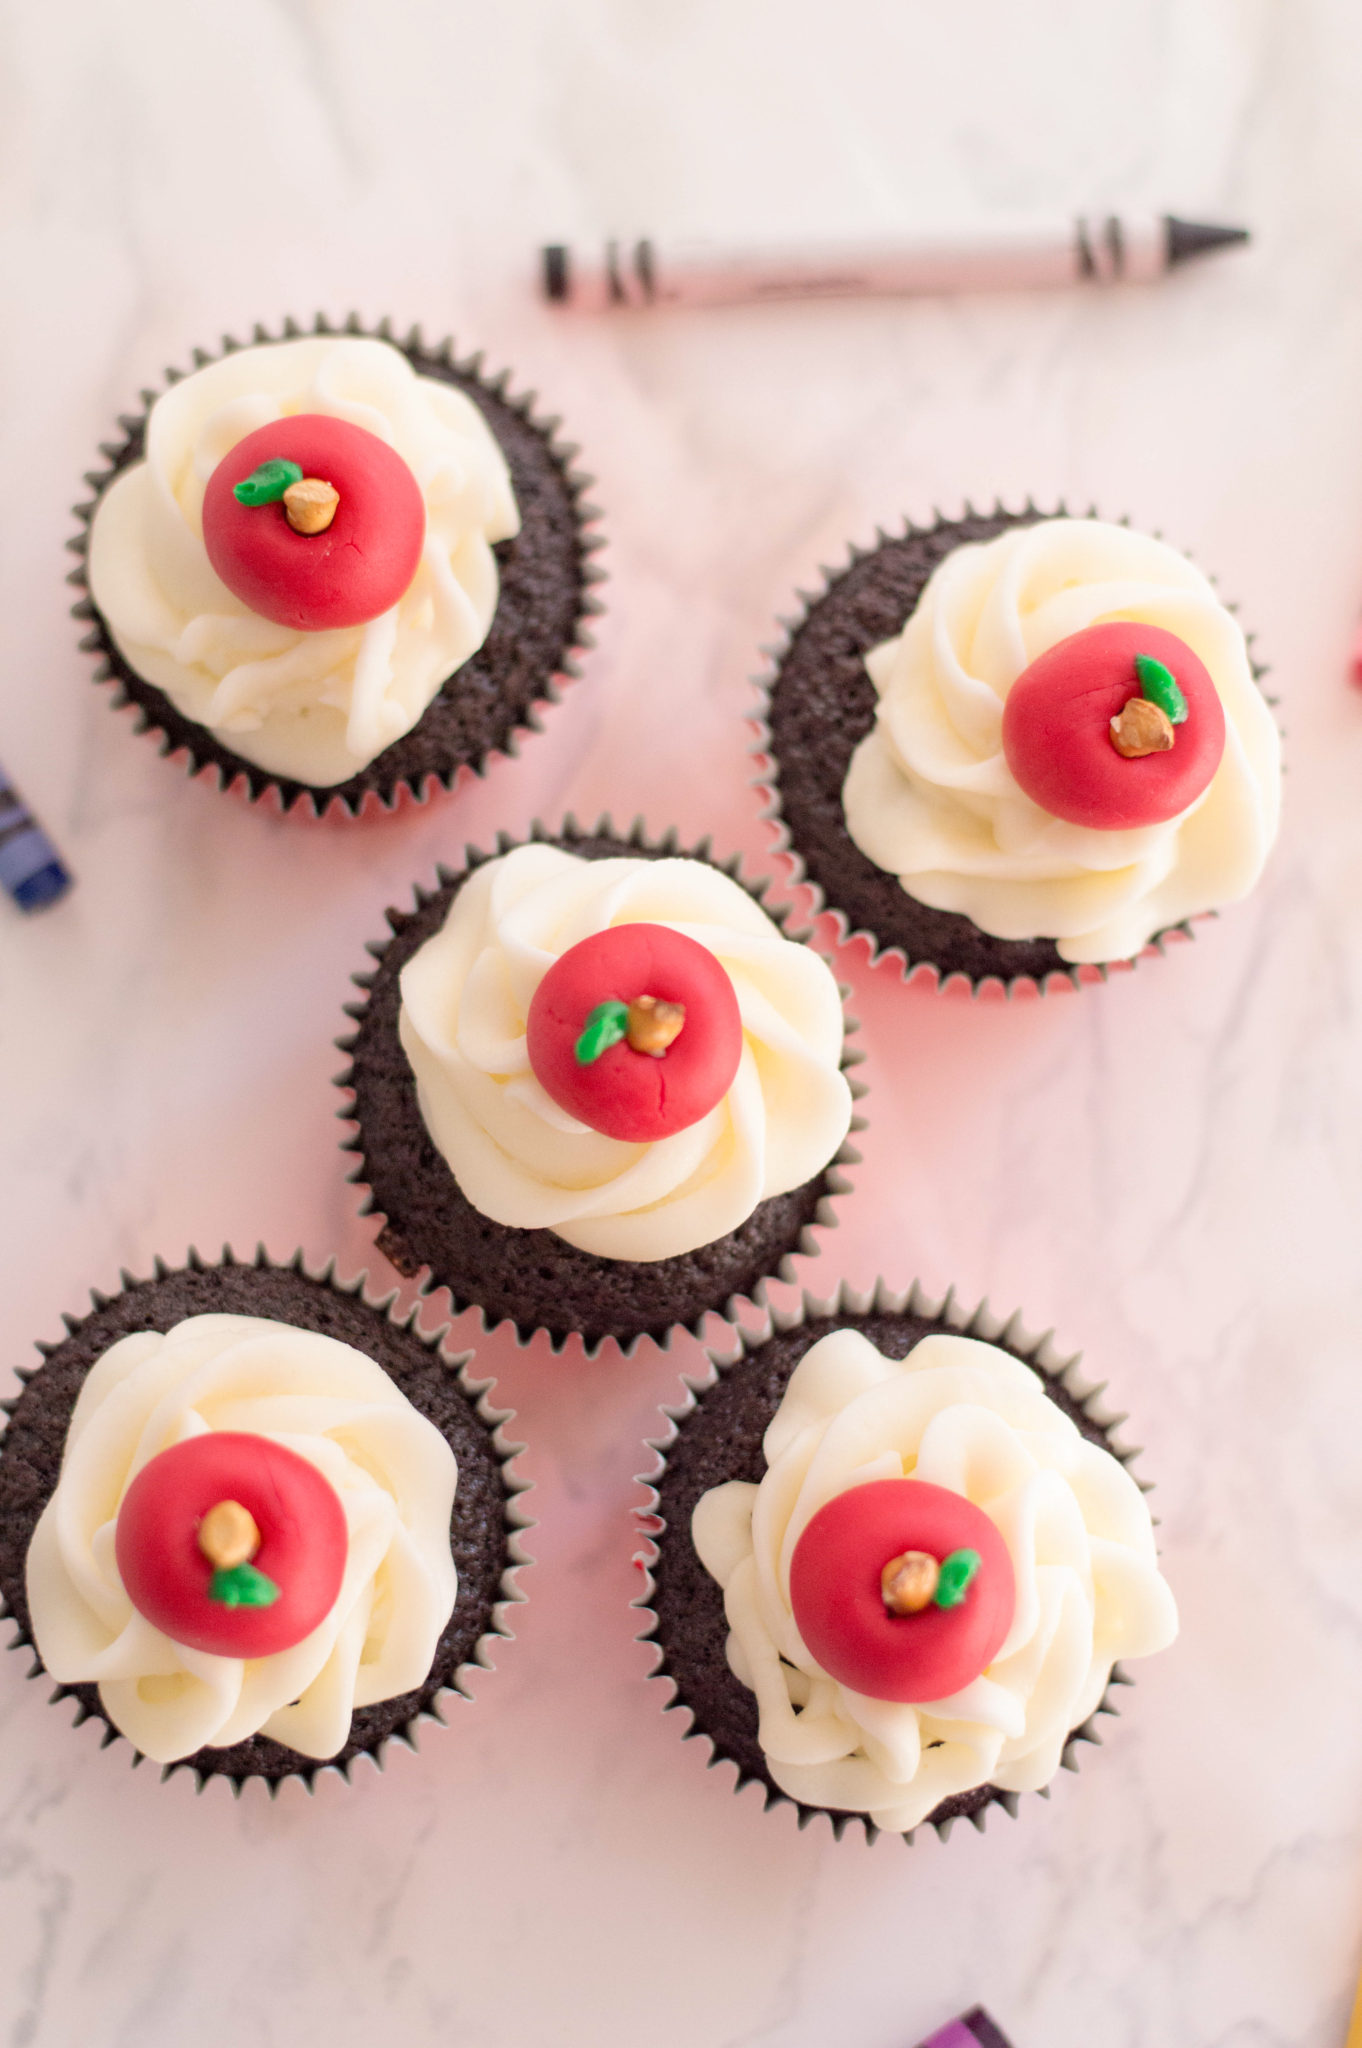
(394,1474)
(929,796)
(522,1160)
(314,706)
(969,1417)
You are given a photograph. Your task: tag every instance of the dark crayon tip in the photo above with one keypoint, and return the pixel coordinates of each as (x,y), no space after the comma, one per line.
(986,2031)
(973,2029)
(1188,238)
(47,885)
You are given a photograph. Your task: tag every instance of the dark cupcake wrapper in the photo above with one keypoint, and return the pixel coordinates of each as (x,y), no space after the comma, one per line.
(275,1763)
(1003,965)
(1060,1374)
(412,1258)
(374,788)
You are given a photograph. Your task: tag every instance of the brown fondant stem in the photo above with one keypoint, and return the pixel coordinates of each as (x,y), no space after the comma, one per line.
(228,1535)
(654,1025)
(310,505)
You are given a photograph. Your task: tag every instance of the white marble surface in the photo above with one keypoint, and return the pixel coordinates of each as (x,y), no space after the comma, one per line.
(1168,1169)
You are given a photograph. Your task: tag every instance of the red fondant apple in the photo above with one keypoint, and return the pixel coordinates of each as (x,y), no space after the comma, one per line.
(637,1096)
(358,567)
(302,1549)
(1057,730)
(839,1608)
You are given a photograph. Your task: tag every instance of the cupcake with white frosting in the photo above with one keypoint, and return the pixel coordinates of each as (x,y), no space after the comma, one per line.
(899,1563)
(255,1524)
(335,567)
(597,1090)
(968,764)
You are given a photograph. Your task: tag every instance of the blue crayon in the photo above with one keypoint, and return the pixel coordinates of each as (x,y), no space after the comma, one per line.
(30,866)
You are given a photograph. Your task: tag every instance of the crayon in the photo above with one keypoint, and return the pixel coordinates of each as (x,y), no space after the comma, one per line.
(30,866)
(1136,248)
(973,2029)
(1354,2039)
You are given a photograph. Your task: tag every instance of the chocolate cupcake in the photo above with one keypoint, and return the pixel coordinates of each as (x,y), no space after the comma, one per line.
(336,568)
(597,1090)
(941,749)
(255,1522)
(898,1556)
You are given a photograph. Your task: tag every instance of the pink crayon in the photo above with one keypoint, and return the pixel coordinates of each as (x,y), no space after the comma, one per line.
(973,2030)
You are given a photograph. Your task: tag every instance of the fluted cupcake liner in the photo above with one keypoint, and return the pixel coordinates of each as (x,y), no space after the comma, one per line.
(696,1610)
(531,1278)
(803,751)
(34,1438)
(489,704)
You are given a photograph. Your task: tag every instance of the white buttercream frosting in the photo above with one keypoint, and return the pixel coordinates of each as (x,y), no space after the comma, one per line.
(316,707)
(395,1476)
(929,796)
(965,1415)
(522,1160)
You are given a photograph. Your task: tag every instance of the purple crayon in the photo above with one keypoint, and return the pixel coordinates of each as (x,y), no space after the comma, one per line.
(973,2030)
(30,866)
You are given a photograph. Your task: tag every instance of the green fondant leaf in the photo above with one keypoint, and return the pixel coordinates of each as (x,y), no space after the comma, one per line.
(1160,686)
(958,1573)
(607,1024)
(268,483)
(242,1586)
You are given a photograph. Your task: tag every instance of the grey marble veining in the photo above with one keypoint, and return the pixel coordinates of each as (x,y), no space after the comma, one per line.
(1168,1169)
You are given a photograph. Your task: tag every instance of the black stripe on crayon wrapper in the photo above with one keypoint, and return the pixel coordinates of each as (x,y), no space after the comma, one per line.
(984,2030)
(612,271)
(1087,266)
(647,274)
(556,271)
(12,823)
(1116,243)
